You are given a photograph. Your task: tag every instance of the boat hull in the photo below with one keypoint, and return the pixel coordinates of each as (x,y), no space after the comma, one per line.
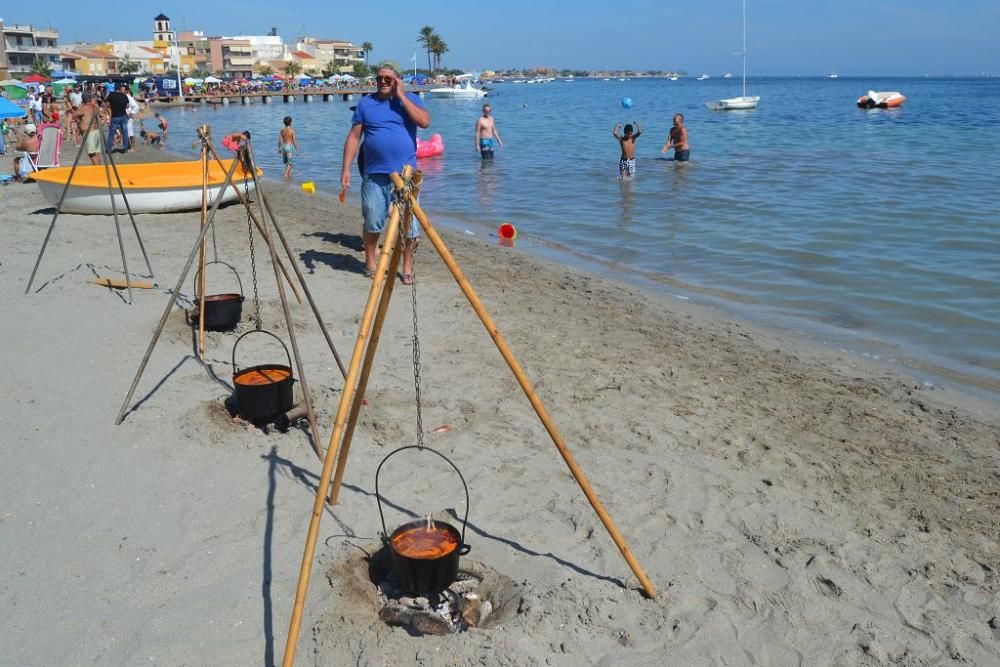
(460,93)
(733,104)
(886,100)
(161,187)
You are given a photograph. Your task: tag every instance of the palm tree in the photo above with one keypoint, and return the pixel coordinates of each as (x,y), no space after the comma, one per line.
(42,67)
(438,47)
(293,68)
(329,69)
(265,70)
(128,66)
(367,48)
(424,39)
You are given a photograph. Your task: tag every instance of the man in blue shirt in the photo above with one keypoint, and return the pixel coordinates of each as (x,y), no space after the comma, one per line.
(389,120)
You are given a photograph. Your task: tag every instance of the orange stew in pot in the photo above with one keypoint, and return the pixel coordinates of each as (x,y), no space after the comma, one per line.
(262,376)
(419,542)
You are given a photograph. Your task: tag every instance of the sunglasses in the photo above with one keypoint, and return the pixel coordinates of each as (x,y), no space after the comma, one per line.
(385,79)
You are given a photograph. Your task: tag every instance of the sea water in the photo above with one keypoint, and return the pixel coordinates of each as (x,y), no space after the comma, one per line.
(875,230)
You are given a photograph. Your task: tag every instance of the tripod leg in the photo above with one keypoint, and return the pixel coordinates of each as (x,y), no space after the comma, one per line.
(536,403)
(114,212)
(173,297)
(302,281)
(345,401)
(62,198)
(128,208)
(201,255)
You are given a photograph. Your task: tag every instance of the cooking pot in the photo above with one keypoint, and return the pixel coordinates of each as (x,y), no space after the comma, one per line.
(424,560)
(263,392)
(222,311)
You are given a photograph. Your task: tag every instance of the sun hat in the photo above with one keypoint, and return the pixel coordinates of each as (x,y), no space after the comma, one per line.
(30,128)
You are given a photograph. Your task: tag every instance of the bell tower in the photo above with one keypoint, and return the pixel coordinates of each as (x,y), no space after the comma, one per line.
(162,32)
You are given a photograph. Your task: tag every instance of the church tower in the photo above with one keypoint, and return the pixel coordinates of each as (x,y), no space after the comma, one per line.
(162,32)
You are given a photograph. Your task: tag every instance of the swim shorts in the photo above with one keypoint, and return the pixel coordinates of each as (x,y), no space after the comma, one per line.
(376,195)
(486,148)
(682,156)
(286,154)
(626,168)
(92,142)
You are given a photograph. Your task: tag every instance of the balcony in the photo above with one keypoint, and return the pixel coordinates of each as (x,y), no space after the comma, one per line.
(30,48)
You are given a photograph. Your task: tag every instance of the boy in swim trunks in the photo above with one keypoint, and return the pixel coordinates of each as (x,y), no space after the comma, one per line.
(626,164)
(678,140)
(287,142)
(486,132)
(150,137)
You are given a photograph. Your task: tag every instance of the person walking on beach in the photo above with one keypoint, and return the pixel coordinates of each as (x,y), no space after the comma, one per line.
(118,101)
(286,142)
(678,140)
(486,131)
(626,164)
(388,120)
(87,113)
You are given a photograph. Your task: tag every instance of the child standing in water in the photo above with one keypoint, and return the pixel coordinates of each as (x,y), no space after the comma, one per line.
(626,165)
(287,142)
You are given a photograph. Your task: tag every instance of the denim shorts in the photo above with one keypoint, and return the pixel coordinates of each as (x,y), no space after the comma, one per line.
(376,195)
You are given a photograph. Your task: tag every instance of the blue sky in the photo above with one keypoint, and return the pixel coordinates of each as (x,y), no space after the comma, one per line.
(852,37)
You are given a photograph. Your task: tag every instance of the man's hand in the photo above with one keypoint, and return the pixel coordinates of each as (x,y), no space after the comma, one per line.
(345,179)
(399,88)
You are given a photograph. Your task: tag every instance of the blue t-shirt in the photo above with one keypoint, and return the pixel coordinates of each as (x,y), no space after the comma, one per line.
(390,135)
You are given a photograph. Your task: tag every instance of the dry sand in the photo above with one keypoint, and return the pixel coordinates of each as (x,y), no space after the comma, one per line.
(793,505)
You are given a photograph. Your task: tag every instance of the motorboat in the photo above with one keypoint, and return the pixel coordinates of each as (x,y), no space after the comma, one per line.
(727,75)
(464,91)
(744,102)
(883,100)
(702,77)
(151,187)
(674,77)
(832,75)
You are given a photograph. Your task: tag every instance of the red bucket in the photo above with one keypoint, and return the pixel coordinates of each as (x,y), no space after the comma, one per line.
(507,231)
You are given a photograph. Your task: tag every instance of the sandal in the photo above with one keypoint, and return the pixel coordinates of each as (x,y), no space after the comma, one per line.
(370,273)
(407,278)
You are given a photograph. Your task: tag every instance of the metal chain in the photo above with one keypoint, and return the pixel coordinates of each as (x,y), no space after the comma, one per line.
(253,260)
(404,208)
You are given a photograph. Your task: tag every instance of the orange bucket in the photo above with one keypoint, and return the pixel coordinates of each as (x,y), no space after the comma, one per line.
(507,231)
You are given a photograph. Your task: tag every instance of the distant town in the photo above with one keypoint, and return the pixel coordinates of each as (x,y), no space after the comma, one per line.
(27,49)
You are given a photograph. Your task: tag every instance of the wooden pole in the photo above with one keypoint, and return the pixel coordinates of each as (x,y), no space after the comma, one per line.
(201,254)
(350,386)
(114,212)
(529,391)
(383,307)
(256,222)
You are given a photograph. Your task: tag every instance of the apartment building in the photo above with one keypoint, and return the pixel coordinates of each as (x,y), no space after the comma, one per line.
(232,57)
(90,60)
(21,45)
(196,52)
(343,54)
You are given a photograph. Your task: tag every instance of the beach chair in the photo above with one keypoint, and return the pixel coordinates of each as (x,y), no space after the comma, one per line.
(48,151)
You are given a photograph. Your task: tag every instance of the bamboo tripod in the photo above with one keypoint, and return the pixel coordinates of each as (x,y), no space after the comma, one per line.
(404,205)
(109,166)
(264,224)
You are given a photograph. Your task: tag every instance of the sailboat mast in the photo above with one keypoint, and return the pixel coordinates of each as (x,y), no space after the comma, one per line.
(744,51)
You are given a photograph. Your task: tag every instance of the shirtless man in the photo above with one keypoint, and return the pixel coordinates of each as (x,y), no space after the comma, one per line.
(30,142)
(486,130)
(626,164)
(678,140)
(286,142)
(84,115)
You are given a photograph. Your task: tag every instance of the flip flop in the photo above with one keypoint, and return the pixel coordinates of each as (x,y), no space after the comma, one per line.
(408,278)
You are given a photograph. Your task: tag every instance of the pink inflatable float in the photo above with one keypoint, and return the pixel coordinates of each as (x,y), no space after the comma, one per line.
(430,148)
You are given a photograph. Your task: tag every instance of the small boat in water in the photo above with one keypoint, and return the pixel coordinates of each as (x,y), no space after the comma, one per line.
(151,187)
(464,91)
(744,102)
(883,100)
(702,77)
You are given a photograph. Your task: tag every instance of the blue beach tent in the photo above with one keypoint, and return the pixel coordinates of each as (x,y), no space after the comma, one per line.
(10,110)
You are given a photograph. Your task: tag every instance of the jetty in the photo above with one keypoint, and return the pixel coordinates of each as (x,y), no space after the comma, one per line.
(270,96)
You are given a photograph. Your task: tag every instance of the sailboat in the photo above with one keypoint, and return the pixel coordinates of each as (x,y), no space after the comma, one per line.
(743,102)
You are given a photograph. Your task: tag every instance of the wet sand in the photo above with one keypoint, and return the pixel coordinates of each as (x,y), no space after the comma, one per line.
(792,504)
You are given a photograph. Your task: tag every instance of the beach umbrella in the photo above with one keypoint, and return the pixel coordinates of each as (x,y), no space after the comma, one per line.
(64,81)
(36,78)
(11,82)
(212,79)
(15,91)
(348,77)
(302,77)
(10,110)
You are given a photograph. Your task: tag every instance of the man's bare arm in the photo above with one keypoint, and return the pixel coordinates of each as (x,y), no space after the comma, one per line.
(351,144)
(420,117)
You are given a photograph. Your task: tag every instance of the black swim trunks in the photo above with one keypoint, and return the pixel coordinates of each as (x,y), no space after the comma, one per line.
(682,156)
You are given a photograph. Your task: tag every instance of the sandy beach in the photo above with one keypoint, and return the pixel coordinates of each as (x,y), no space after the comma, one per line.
(792,504)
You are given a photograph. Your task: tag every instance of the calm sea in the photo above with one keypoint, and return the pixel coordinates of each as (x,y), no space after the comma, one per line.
(877,231)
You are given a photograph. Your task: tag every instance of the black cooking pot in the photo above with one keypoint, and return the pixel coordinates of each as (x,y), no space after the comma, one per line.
(222,311)
(424,575)
(263,392)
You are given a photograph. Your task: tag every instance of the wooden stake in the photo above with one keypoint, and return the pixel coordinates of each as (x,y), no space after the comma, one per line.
(536,403)
(350,386)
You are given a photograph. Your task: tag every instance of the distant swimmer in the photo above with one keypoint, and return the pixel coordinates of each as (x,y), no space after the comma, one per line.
(678,140)
(486,132)
(287,142)
(626,165)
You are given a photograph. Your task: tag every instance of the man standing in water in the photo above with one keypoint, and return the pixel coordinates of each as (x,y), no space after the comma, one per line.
(486,130)
(388,120)
(678,140)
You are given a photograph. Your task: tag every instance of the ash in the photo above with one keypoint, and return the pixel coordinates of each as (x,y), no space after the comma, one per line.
(465,604)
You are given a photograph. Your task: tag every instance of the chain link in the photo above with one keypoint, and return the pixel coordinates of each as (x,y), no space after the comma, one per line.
(404,203)
(253,260)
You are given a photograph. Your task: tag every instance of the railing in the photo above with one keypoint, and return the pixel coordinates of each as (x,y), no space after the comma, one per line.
(30,48)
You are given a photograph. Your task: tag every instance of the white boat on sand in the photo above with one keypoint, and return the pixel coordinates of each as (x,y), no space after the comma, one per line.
(155,187)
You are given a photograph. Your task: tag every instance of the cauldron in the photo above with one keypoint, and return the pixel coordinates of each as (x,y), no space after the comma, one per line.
(222,311)
(263,392)
(424,559)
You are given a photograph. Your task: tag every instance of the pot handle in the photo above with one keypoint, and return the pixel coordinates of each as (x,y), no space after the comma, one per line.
(236,369)
(464,548)
(217,261)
